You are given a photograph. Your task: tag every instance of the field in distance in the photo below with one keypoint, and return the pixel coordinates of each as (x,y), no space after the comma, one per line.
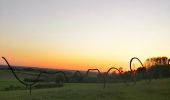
(156,90)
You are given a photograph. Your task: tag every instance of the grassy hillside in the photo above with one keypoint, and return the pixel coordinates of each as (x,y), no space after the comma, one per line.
(157,90)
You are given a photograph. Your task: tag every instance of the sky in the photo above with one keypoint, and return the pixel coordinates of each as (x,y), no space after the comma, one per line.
(83,34)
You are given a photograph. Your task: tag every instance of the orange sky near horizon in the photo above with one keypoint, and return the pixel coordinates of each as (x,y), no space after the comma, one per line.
(79,35)
(60,61)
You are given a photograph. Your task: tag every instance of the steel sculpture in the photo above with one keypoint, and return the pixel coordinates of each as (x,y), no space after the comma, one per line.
(100,74)
(107,73)
(22,82)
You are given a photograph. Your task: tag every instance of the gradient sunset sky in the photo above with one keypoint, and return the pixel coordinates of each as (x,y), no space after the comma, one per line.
(82,34)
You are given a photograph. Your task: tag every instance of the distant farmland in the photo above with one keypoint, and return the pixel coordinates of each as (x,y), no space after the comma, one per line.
(157,90)
(84,86)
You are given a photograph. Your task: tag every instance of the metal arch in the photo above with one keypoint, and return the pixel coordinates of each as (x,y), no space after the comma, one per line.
(93,70)
(113,68)
(78,73)
(98,73)
(134,73)
(22,82)
(105,81)
(132,60)
(103,75)
(39,75)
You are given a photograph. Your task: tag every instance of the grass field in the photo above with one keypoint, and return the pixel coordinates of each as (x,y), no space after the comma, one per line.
(156,90)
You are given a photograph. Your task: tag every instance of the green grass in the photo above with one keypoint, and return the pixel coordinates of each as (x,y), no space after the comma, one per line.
(9,82)
(156,90)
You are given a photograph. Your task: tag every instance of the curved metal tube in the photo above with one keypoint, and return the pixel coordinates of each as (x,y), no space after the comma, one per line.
(132,60)
(108,73)
(78,72)
(149,80)
(98,73)
(93,70)
(113,68)
(22,82)
(131,71)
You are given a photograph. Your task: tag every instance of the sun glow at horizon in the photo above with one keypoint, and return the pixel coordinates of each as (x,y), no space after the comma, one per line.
(83,34)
